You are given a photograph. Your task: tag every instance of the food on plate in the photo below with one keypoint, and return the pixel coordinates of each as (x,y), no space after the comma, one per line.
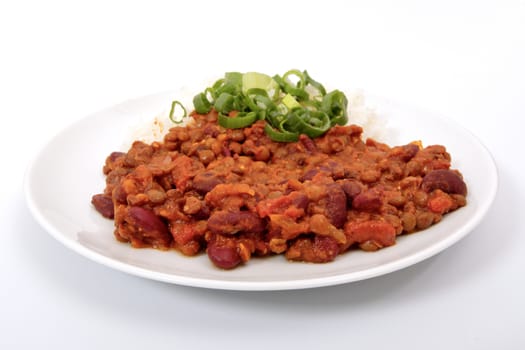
(267,165)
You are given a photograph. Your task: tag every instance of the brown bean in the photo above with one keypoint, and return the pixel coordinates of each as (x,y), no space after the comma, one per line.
(446,180)
(396,199)
(237,135)
(206,156)
(420,199)
(261,153)
(413,168)
(409,222)
(104,205)
(370,175)
(192,205)
(424,220)
(156,195)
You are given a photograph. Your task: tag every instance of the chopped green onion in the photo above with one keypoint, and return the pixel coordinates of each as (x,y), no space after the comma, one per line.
(224,103)
(291,104)
(335,104)
(201,103)
(311,123)
(179,119)
(281,136)
(241,120)
(318,86)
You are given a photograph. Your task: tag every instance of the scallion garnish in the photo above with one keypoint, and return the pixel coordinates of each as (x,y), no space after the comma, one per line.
(291,104)
(177,119)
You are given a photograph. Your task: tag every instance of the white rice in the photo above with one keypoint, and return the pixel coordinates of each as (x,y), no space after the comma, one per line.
(154,129)
(374,124)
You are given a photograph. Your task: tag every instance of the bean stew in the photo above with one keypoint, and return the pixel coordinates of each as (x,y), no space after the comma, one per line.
(236,194)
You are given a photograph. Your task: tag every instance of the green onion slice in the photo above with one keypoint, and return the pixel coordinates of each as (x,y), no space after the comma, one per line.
(241,120)
(281,136)
(177,119)
(201,103)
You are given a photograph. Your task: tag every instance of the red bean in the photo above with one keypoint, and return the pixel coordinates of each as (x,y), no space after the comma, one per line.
(368,200)
(308,143)
(352,188)
(147,221)
(336,205)
(205,182)
(446,180)
(104,205)
(405,153)
(224,257)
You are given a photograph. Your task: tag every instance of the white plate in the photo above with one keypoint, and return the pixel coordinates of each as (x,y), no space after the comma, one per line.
(67,172)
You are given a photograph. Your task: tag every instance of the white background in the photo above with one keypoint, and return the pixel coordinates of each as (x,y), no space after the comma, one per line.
(60,61)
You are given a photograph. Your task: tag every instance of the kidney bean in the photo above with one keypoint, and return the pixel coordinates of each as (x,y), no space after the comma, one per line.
(308,143)
(336,205)
(225,257)
(104,205)
(351,188)
(205,182)
(368,200)
(405,153)
(226,222)
(145,220)
(446,180)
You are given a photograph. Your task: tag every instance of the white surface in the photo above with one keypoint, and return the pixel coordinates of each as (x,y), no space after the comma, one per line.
(71,219)
(61,61)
